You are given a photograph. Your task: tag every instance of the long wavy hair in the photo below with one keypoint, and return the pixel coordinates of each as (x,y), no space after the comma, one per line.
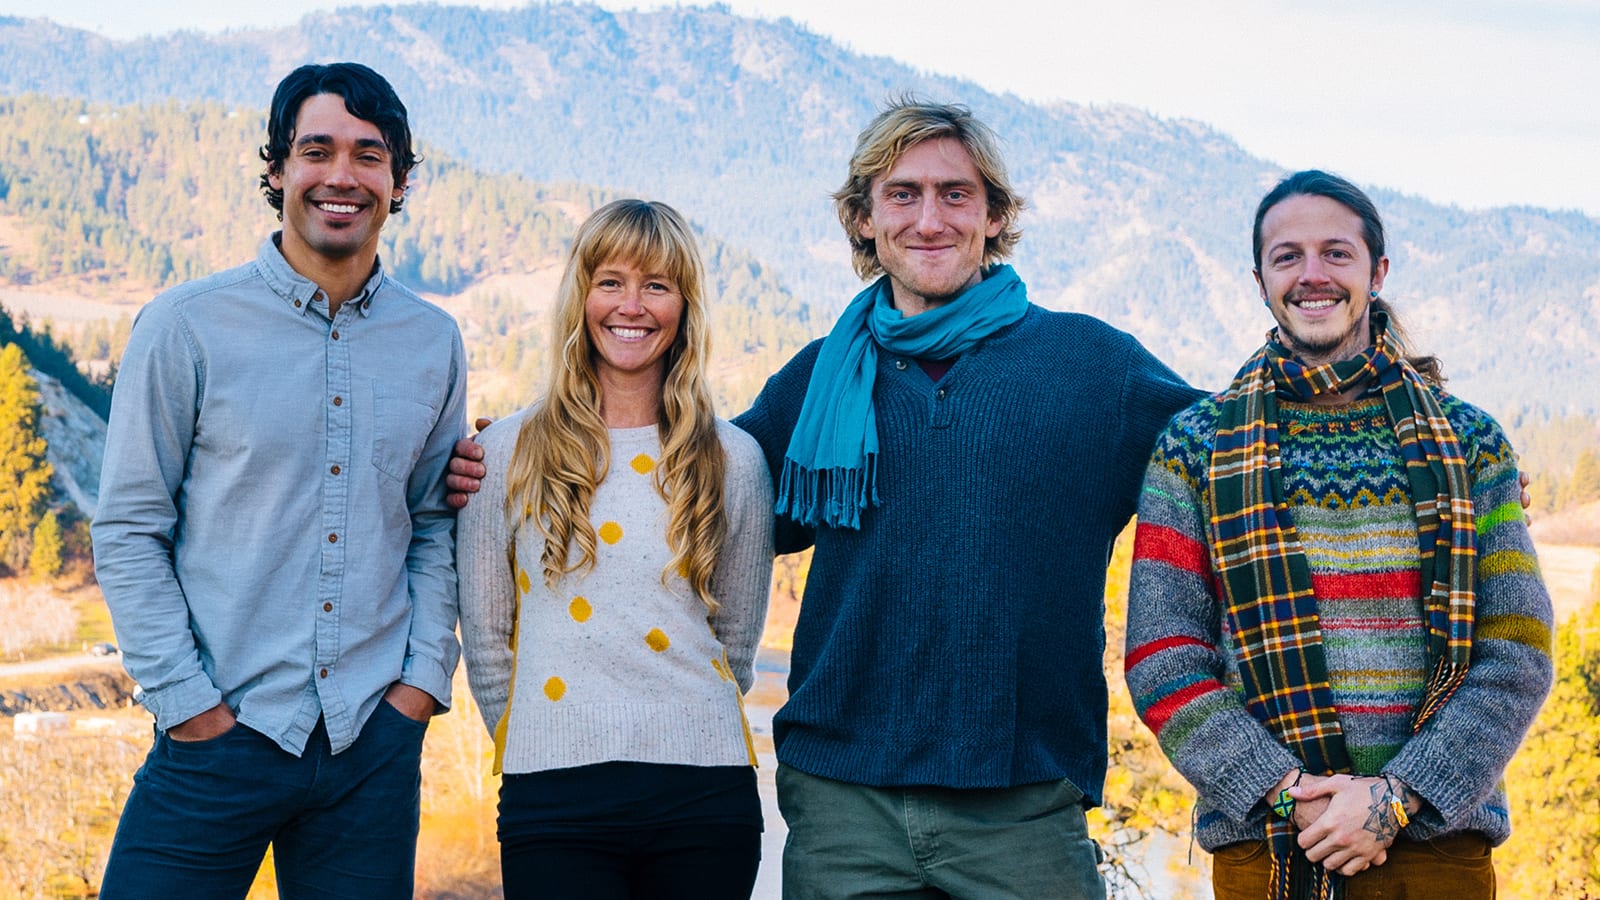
(563,451)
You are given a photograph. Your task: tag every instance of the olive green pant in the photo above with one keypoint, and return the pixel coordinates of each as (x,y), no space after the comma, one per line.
(848,840)
(1452,867)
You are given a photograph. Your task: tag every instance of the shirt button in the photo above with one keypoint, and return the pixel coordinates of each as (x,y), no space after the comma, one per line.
(338,401)
(323,673)
(940,393)
(900,364)
(333,538)
(336,335)
(335,469)
(327,607)
(297,304)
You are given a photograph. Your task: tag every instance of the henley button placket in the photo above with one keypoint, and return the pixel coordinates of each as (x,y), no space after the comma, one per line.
(943,413)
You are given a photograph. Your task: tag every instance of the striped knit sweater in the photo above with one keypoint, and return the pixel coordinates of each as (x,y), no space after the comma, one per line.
(1350,502)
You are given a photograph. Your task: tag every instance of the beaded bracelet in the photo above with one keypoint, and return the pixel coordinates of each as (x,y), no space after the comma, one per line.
(1283,805)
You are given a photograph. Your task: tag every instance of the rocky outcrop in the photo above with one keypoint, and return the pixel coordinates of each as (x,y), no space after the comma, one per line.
(77,440)
(110,689)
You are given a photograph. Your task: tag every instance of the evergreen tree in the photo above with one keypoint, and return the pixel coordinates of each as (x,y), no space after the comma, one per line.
(24,472)
(1584,485)
(45,561)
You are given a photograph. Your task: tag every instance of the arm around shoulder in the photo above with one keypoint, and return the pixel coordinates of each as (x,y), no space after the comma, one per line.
(742,583)
(487,583)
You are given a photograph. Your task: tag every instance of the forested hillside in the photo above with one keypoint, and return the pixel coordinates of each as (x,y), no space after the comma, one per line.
(746,124)
(93,196)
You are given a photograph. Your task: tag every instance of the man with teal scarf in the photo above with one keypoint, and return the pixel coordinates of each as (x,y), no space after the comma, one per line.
(961,461)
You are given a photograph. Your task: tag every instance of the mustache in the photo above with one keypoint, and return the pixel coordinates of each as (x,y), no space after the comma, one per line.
(1298,294)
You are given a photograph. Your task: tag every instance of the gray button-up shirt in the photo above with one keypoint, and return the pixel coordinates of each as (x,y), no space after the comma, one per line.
(272,531)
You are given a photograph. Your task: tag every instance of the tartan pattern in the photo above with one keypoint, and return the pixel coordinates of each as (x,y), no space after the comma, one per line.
(1265,580)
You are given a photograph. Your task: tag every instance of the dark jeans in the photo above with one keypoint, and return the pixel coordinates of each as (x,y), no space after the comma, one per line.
(202,813)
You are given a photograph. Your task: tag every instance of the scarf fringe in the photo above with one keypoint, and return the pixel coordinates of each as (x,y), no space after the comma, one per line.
(833,497)
(828,467)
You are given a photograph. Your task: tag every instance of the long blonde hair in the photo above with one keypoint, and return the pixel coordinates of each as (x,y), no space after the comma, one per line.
(563,451)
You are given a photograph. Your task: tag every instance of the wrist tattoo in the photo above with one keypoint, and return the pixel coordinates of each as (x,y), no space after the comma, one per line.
(1382,821)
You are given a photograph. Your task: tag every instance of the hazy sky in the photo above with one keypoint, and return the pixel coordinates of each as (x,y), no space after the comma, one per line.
(1473,102)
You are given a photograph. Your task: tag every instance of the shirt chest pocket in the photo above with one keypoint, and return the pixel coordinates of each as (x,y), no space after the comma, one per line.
(403,414)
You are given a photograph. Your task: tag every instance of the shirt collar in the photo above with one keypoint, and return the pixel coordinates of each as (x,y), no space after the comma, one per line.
(300,291)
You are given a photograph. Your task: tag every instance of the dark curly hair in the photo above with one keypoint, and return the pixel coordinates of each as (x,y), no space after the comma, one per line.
(367,96)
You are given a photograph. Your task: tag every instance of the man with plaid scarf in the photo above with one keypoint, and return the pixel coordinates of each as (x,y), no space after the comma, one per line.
(1337,629)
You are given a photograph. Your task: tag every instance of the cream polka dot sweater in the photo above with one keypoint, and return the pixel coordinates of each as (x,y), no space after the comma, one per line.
(612,664)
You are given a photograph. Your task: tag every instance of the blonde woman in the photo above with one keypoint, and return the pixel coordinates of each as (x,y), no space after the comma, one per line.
(614,580)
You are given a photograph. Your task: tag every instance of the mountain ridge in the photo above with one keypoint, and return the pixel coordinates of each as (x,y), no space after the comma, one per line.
(745,124)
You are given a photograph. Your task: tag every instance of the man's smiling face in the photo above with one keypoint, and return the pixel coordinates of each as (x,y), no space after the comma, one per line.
(337,183)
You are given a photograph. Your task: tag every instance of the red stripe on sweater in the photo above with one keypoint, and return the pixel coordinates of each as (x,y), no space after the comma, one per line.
(1356,622)
(1162,544)
(1387,709)
(1164,709)
(1368,586)
(1144,651)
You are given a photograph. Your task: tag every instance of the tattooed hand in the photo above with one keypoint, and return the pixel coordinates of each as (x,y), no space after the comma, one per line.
(1355,829)
(1382,818)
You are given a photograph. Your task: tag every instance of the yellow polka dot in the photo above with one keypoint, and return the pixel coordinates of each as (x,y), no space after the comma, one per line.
(580,609)
(611,532)
(523,584)
(555,689)
(642,464)
(657,639)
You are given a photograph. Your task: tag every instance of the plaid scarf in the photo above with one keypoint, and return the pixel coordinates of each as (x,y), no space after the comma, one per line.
(1266,581)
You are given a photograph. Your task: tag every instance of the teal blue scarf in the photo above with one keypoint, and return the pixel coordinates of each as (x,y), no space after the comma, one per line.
(830,466)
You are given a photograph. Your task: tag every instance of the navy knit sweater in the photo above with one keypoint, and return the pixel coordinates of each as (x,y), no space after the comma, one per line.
(956,638)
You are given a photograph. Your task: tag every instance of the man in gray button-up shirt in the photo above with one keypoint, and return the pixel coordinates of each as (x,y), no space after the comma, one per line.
(272,536)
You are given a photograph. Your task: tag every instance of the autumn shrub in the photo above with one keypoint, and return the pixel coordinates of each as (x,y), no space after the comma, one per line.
(34,616)
(1554,780)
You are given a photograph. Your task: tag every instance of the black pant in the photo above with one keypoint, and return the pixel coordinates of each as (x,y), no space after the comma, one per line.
(629,831)
(703,862)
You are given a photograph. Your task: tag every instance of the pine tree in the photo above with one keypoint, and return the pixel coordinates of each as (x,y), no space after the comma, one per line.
(1584,485)
(44,562)
(24,472)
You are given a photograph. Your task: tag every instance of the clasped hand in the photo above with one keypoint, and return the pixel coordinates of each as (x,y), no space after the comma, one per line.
(1346,822)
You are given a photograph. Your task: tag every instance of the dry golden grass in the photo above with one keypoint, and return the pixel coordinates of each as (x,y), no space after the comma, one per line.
(34,616)
(59,802)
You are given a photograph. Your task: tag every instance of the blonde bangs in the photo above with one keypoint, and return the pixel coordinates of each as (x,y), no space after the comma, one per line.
(563,451)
